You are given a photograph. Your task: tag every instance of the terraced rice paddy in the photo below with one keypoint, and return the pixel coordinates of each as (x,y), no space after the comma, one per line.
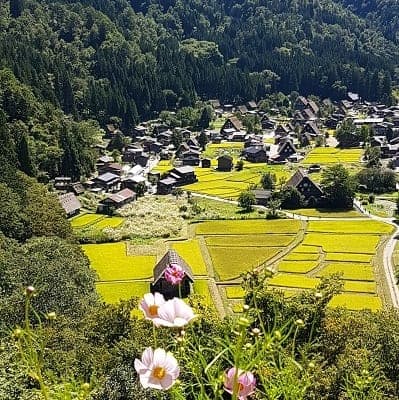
(95,222)
(190,251)
(328,155)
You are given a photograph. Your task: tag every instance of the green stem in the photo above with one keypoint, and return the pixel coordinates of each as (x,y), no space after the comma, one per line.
(154,333)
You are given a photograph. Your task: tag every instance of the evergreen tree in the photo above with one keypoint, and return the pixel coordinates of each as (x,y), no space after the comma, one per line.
(16,8)
(24,157)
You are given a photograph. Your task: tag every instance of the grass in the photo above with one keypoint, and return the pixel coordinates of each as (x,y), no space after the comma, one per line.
(111,263)
(81,221)
(213,209)
(328,213)
(329,155)
(297,267)
(249,240)
(350,271)
(335,243)
(367,226)
(234,292)
(190,251)
(231,262)
(356,302)
(294,281)
(113,292)
(358,258)
(247,227)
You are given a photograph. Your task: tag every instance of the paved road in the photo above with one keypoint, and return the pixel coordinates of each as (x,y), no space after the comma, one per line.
(389,267)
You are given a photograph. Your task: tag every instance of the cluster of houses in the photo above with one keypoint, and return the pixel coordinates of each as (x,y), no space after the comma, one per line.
(118,183)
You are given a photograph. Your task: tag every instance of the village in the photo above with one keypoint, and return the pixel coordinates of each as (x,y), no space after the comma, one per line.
(130,171)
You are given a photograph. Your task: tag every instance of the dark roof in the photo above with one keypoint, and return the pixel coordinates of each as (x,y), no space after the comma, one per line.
(296,179)
(168,181)
(107,177)
(78,188)
(69,202)
(285,143)
(236,123)
(253,150)
(122,196)
(171,257)
(225,157)
(184,170)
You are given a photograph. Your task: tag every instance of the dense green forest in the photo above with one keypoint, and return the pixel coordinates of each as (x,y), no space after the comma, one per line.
(383,14)
(97,59)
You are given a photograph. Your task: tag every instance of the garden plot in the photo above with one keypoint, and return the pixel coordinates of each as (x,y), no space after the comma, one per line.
(112,263)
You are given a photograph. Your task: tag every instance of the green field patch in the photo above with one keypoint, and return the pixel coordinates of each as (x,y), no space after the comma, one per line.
(234,292)
(230,262)
(109,222)
(297,267)
(86,219)
(201,287)
(360,287)
(113,292)
(294,281)
(307,249)
(328,213)
(356,302)
(355,258)
(249,240)
(111,263)
(247,227)
(365,227)
(343,243)
(328,155)
(301,256)
(350,271)
(190,251)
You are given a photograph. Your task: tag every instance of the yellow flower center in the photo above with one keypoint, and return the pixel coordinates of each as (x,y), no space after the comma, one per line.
(159,372)
(153,310)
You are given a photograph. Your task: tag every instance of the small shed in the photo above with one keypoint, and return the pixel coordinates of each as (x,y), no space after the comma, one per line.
(225,163)
(262,196)
(206,163)
(161,285)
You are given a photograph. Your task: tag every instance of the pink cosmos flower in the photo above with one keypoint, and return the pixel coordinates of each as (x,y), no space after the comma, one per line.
(174,274)
(157,369)
(246,383)
(174,313)
(150,305)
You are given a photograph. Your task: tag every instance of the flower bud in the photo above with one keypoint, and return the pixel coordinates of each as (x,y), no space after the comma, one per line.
(299,323)
(318,295)
(256,331)
(277,335)
(311,365)
(86,386)
(245,307)
(51,316)
(29,291)
(17,333)
(243,322)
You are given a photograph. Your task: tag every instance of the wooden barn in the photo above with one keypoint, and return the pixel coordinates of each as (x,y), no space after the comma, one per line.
(160,284)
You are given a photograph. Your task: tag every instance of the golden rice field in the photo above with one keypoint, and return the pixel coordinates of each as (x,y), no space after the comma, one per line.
(329,155)
(250,240)
(357,302)
(245,227)
(230,262)
(95,222)
(190,251)
(112,263)
(113,292)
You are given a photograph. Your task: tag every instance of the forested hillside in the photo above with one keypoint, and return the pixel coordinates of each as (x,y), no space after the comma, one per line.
(383,14)
(97,59)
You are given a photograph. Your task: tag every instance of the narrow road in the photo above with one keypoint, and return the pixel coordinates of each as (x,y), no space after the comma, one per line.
(389,267)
